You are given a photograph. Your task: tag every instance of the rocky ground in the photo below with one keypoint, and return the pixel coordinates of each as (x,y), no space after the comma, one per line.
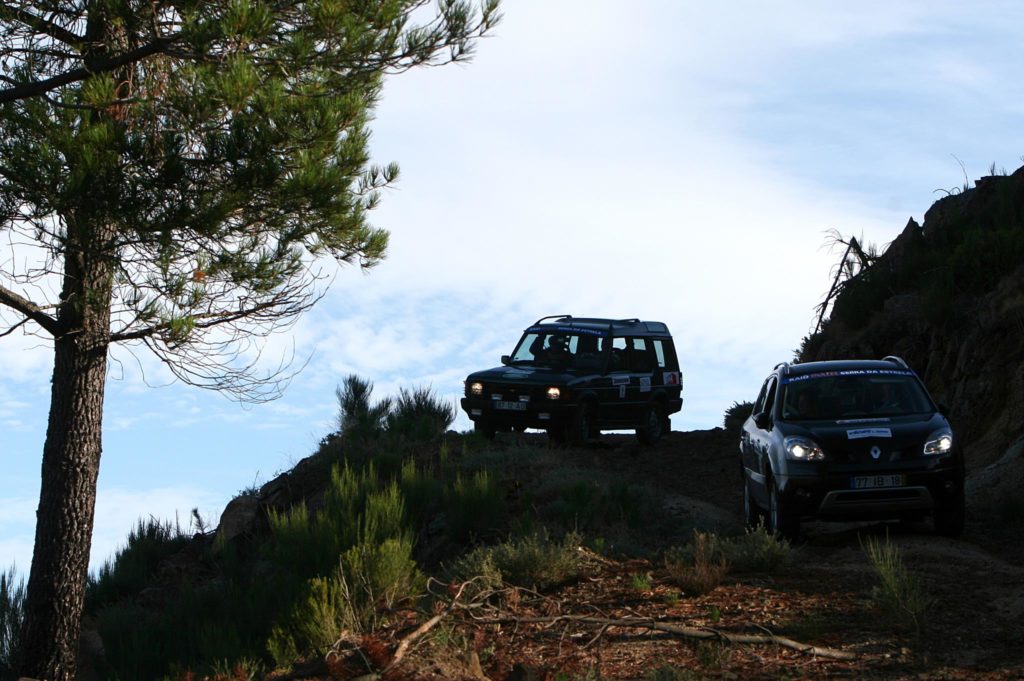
(626,619)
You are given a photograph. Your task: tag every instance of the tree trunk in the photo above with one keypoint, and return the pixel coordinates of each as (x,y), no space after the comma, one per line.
(71,458)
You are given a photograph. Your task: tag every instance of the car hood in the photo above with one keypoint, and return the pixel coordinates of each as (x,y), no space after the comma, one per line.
(856,440)
(522,374)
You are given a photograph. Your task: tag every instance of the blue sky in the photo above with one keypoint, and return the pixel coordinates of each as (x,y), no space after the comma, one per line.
(677,161)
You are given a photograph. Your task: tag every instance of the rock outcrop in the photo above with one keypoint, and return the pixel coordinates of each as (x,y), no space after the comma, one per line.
(948,296)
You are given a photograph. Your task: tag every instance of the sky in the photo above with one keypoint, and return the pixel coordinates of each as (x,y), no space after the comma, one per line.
(672,160)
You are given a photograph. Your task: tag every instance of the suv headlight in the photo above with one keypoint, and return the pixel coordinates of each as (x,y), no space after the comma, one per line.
(475,388)
(802,449)
(554,392)
(939,442)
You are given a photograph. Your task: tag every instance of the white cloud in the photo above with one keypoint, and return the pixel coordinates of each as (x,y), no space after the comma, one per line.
(677,161)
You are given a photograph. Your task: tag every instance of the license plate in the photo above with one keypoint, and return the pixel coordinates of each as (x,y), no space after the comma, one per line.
(877,481)
(510,405)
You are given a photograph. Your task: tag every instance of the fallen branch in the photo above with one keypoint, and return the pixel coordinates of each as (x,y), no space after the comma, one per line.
(403,646)
(685,632)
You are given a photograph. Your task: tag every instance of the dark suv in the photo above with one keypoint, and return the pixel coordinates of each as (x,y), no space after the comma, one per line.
(849,440)
(577,376)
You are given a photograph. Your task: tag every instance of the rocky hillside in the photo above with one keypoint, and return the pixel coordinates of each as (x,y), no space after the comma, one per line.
(948,296)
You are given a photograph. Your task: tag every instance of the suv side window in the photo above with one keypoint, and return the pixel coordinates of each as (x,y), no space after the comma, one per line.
(618,356)
(759,402)
(640,358)
(769,398)
(659,352)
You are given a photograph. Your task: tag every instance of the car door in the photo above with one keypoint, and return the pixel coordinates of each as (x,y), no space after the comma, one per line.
(623,387)
(667,376)
(756,442)
(640,361)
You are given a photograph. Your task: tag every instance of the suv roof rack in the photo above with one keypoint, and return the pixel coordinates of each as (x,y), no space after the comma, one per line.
(630,324)
(552,316)
(785,368)
(895,360)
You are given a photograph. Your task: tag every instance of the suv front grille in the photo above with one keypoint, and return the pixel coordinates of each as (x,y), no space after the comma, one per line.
(513,393)
(860,496)
(895,499)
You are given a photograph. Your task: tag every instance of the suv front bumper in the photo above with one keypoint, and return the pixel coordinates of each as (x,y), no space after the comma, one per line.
(831,495)
(534,414)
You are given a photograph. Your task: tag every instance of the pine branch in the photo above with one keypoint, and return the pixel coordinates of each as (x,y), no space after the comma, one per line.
(36,88)
(205,320)
(38,23)
(30,310)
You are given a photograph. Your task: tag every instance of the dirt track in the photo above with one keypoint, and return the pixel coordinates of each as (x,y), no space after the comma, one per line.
(974,629)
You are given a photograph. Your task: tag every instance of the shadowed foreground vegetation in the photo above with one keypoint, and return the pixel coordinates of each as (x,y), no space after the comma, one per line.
(401,500)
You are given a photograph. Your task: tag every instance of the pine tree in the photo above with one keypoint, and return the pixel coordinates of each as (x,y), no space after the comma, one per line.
(182,171)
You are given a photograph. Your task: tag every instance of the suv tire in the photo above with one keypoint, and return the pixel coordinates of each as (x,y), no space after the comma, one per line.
(579,428)
(485,429)
(654,424)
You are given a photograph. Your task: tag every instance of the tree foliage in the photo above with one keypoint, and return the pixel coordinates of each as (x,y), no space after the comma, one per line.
(223,145)
(172,175)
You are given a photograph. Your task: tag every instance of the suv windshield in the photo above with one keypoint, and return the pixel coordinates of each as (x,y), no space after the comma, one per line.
(559,349)
(867,393)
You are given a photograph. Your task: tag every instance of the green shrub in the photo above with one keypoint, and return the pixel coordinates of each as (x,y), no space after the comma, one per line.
(698,567)
(225,621)
(473,506)
(357,555)
(419,415)
(133,567)
(358,417)
(12,615)
(535,561)
(422,488)
(416,415)
(372,579)
(313,625)
(899,592)
(239,670)
(1001,251)
(756,551)
(587,503)
(357,508)
(736,415)
(300,543)
(640,581)
(376,578)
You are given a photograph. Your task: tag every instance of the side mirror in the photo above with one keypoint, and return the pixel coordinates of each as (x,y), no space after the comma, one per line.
(506,360)
(763,420)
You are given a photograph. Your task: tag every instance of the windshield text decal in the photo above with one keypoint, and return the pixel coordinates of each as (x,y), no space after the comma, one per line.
(860,433)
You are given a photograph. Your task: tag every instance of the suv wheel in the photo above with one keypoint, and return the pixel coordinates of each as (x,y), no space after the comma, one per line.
(781,520)
(753,515)
(654,424)
(949,518)
(579,427)
(484,428)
